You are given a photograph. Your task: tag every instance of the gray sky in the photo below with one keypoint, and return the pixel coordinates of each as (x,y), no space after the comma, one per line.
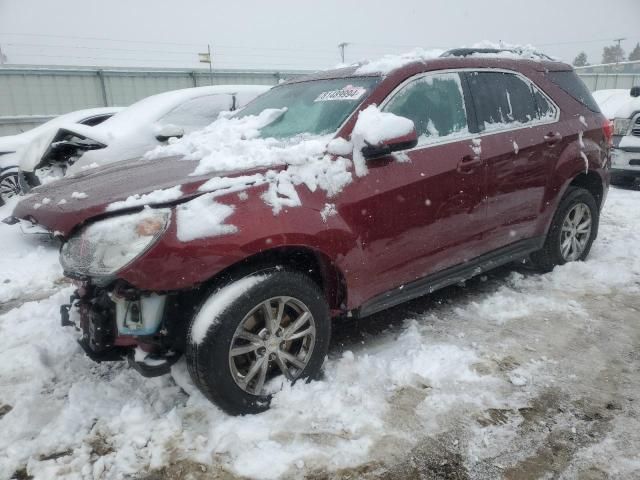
(281,34)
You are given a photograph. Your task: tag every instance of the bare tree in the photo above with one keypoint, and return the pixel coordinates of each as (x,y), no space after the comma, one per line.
(581,60)
(635,53)
(613,54)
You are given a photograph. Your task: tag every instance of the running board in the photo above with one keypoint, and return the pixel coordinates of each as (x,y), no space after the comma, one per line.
(451,276)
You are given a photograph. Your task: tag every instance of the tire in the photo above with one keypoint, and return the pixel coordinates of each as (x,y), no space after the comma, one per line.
(225,318)
(9,185)
(553,253)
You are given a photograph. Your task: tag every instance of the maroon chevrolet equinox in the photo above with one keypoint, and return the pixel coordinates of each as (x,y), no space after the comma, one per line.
(487,158)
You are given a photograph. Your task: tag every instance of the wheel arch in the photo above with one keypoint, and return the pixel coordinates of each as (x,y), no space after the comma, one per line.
(306,260)
(590,181)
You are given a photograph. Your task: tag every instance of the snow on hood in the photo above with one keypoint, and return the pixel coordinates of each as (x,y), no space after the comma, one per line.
(388,63)
(234,144)
(628,108)
(612,100)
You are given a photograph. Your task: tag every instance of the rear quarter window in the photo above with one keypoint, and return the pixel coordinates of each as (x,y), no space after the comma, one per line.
(575,87)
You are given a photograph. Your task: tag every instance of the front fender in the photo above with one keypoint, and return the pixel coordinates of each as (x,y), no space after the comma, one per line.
(176,265)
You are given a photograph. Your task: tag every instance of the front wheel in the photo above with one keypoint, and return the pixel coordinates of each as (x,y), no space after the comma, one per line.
(573,229)
(9,185)
(252,334)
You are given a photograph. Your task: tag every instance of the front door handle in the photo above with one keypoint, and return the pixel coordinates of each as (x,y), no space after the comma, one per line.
(469,163)
(552,138)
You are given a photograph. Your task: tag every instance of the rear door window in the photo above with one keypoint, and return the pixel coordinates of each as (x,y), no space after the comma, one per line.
(436,104)
(504,100)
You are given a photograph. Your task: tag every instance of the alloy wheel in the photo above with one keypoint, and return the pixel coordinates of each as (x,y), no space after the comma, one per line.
(9,186)
(275,338)
(576,231)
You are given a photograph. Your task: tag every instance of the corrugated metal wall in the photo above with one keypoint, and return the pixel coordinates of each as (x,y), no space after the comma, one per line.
(30,96)
(602,81)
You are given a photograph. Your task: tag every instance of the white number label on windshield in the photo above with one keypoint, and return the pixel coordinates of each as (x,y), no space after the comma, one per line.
(346,93)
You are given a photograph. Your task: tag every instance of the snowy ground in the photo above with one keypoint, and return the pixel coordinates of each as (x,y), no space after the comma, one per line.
(516,375)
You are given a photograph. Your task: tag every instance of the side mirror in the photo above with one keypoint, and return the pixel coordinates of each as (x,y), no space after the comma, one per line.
(390,145)
(166,132)
(635,91)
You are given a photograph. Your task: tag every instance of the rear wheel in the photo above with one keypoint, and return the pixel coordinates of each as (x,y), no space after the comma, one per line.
(253,334)
(572,232)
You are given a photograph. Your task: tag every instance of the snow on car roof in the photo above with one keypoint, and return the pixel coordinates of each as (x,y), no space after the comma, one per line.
(390,63)
(151,108)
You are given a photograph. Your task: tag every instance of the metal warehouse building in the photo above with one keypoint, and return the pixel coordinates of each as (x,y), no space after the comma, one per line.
(30,96)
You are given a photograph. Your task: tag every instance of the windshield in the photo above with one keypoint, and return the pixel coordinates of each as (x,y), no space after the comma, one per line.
(317,107)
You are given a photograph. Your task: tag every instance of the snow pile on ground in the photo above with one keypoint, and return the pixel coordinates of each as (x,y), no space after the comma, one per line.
(494,373)
(28,265)
(388,63)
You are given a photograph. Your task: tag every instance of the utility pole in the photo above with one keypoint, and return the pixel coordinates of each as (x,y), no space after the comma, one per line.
(341,47)
(619,40)
(210,64)
(207,58)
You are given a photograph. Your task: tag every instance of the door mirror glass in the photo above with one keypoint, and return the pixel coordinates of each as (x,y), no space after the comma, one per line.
(390,145)
(166,132)
(635,91)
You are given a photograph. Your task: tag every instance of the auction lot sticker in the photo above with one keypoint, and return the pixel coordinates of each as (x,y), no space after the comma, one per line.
(346,93)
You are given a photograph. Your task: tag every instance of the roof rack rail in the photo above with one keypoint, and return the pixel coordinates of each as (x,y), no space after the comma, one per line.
(465,52)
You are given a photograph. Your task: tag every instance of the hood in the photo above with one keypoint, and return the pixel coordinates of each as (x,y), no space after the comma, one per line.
(10,143)
(62,205)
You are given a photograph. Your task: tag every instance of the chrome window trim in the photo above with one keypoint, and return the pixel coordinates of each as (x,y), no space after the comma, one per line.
(447,140)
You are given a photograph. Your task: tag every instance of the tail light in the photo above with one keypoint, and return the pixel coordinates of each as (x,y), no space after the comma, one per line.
(607,130)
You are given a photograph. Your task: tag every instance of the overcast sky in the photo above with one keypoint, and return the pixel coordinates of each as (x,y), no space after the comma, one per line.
(282,34)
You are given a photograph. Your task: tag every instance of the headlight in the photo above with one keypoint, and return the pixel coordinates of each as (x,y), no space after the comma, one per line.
(621,126)
(107,246)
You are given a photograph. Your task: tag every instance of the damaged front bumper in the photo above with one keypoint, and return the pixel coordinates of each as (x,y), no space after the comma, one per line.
(123,322)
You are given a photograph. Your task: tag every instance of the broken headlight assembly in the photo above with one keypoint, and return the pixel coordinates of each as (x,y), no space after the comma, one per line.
(105,247)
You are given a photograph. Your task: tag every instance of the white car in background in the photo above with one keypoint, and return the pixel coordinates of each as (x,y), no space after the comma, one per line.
(150,122)
(13,147)
(623,107)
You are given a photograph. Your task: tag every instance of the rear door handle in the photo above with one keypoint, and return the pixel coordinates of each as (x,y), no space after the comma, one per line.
(552,138)
(469,163)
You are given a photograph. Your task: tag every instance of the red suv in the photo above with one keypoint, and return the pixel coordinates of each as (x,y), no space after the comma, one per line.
(425,173)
